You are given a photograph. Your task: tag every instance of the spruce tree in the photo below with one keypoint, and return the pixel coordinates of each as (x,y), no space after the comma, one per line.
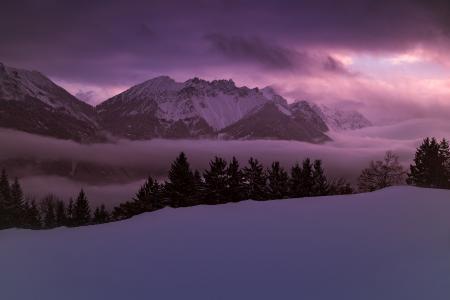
(198,187)
(277,182)
(17,202)
(149,196)
(181,188)
(60,214)
(255,180)
(6,218)
(101,215)
(295,182)
(444,153)
(48,211)
(215,182)
(307,180)
(81,210)
(31,216)
(320,183)
(69,213)
(431,165)
(235,178)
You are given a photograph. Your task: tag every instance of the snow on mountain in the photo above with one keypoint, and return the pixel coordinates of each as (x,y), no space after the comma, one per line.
(389,244)
(219,102)
(305,111)
(275,121)
(19,85)
(341,119)
(164,108)
(33,103)
(201,108)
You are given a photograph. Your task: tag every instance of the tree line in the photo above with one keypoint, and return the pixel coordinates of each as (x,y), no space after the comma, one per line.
(224,181)
(49,212)
(430,168)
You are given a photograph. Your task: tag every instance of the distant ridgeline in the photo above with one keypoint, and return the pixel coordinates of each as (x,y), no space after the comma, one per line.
(224,182)
(164,108)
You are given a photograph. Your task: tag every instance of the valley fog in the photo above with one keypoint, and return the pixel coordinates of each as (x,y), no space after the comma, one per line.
(345,156)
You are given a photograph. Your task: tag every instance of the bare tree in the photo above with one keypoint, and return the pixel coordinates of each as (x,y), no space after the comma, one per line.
(381,174)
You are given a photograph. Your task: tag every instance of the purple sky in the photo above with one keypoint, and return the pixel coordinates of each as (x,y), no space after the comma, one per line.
(390,59)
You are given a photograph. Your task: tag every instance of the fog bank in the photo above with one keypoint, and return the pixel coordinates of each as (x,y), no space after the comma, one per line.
(345,156)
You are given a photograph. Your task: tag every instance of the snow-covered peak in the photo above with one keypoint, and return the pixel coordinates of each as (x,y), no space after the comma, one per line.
(341,119)
(218,102)
(17,84)
(157,86)
(23,85)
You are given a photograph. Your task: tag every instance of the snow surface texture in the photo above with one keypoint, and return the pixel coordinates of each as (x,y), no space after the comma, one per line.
(390,244)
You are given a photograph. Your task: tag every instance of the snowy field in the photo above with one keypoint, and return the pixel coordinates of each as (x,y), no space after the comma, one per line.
(391,244)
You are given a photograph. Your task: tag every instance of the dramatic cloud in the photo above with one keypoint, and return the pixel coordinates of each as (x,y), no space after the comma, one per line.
(239,48)
(308,48)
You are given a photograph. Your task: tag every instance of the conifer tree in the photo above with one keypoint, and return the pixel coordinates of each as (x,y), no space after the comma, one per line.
(6,219)
(69,213)
(149,196)
(215,182)
(101,215)
(31,216)
(307,180)
(181,189)
(255,180)
(48,211)
(60,214)
(320,183)
(198,187)
(295,182)
(431,165)
(235,179)
(81,211)
(17,202)
(277,182)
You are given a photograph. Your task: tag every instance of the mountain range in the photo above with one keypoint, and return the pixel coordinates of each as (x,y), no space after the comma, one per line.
(164,108)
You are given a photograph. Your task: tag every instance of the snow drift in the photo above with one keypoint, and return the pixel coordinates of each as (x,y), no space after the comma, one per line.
(390,244)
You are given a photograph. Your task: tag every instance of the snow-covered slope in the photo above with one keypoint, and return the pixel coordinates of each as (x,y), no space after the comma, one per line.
(390,244)
(202,107)
(341,119)
(162,107)
(31,102)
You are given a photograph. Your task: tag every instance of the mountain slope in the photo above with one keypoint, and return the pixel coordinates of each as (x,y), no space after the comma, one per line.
(389,244)
(275,121)
(341,119)
(195,108)
(164,108)
(31,102)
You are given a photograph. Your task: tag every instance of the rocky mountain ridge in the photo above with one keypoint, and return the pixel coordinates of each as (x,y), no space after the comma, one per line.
(163,108)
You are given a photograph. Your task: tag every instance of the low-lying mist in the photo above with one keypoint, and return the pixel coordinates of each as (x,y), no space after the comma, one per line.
(345,156)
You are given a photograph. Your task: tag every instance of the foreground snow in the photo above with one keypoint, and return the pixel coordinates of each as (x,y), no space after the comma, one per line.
(391,244)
